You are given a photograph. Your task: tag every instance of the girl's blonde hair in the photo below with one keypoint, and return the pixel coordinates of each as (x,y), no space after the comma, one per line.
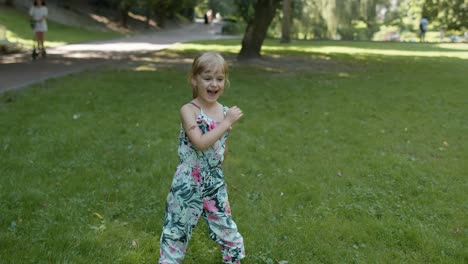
(204,61)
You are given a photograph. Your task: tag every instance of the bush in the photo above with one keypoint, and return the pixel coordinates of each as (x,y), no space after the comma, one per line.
(232,27)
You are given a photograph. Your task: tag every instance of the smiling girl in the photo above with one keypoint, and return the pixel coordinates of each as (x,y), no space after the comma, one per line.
(198,188)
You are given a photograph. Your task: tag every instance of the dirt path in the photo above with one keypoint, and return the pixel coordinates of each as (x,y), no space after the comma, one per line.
(18,70)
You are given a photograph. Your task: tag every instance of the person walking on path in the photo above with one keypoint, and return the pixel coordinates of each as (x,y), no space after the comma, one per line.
(198,187)
(423,28)
(38,13)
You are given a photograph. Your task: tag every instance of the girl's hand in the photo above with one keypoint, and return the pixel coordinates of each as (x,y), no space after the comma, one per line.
(233,114)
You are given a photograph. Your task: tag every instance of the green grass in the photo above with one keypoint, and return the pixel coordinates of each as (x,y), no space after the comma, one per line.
(363,162)
(343,48)
(19,30)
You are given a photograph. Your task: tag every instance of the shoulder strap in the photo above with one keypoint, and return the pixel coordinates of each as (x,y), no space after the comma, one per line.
(195,105)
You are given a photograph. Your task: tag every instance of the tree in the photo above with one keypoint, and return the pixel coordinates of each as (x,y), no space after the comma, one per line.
(286,22)
(449,13)
(124,8)
(257,25)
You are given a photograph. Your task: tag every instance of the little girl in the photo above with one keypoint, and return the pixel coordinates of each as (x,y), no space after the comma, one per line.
(38,13)
(198,188)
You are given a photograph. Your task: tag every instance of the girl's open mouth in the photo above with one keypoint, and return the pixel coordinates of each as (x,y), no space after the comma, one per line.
(212,93)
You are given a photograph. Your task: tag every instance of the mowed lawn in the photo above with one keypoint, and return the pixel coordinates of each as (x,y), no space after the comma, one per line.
(341,157)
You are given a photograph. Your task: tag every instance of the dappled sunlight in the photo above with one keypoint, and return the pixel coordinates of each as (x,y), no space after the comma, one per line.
(353,50)
(203,47)
(453,46)
(146,67)
(13,38)
(151,22)
(116,47)
(453,50)
(108,23)
(344,75)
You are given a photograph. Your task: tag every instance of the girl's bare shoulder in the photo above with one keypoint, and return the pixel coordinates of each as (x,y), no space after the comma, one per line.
(189,110)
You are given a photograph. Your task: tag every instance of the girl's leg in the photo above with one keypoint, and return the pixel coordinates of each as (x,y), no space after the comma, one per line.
(223,229)
(40,40)
(37,40)
(183,209)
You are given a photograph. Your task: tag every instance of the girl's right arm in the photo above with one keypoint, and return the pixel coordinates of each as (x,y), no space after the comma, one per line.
(197,138)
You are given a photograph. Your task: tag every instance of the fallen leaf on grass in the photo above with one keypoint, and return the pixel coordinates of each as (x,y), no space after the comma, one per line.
(134,244)
(99,216)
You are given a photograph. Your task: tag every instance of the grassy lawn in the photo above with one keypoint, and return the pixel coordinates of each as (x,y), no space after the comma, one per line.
(346,158)
(19,30)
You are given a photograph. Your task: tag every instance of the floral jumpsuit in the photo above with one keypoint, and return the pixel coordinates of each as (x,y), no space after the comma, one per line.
(198,189)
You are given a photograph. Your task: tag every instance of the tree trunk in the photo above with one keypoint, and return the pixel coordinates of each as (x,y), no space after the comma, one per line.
(124,9)
(286,23)
(148,16)
(257,29)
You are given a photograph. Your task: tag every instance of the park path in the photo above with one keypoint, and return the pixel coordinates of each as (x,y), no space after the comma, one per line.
(18,70)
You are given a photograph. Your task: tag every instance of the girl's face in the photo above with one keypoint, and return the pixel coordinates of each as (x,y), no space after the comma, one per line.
(39,2)
(210,84)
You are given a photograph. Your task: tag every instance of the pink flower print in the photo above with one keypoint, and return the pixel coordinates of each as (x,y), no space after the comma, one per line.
(172,249)
(196,174)
(229,244)
(210,206)
(213,218)
(227,208)
(227,258)
(212,125)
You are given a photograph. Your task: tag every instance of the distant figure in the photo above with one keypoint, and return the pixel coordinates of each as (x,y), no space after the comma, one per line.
(423,28)
(38,13)
(442,33)
(209,15)
(206,18)
(218,17)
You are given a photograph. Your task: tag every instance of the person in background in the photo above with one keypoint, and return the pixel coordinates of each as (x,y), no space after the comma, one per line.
(38,13)
(423,28)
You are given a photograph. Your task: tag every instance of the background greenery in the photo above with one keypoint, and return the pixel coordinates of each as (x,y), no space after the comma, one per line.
(342,157)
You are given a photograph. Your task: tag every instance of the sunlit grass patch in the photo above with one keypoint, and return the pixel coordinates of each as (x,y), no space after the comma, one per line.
(270,46)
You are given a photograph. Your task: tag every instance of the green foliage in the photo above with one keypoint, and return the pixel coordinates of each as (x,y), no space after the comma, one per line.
(233,27)
(245,9)
(451,14)
(347,157)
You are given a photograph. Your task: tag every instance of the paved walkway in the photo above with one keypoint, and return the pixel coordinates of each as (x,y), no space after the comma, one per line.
(18,70)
